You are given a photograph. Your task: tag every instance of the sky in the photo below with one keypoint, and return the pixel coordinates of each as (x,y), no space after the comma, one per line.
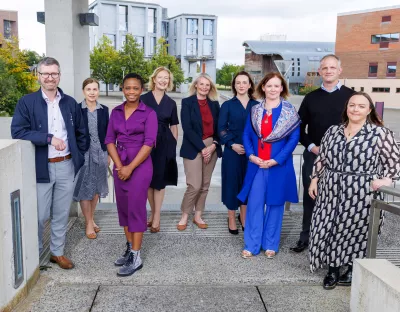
(238,20)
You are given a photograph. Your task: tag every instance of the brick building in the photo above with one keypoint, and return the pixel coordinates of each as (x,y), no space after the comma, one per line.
(301,60)
(8,25)
(368,44)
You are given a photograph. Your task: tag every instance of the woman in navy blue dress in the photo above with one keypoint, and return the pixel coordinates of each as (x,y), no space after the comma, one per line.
(163,155)
(231,122)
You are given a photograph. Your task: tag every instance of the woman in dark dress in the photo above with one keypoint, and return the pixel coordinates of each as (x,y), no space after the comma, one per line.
(231,122)
(165,169)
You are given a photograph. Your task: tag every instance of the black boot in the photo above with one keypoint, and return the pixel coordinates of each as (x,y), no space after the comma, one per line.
(331,278)
(345,279)
(299,247)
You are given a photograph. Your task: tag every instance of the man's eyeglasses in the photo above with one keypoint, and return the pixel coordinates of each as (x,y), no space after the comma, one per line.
(47,75)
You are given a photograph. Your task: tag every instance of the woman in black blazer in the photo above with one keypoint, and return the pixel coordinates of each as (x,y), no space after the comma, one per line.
(200,146)
(92,177)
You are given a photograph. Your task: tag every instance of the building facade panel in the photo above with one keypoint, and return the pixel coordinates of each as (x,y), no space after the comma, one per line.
(368,44)
(8,25)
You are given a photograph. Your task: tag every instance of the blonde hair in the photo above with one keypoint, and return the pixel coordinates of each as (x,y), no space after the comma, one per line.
(212,95)
(158,70)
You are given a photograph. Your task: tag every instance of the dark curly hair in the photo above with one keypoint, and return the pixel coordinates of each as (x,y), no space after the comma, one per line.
(135,76)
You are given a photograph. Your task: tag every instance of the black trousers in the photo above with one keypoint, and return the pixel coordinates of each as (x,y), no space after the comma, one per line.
(308,202)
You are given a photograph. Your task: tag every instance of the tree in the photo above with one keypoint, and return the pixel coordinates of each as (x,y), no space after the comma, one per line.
(32,57)
(104,62)
(131,59)
(162,58)
(226,73)
(15,78)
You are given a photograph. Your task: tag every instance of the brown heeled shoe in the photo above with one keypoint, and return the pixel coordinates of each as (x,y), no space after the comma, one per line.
(96,229)
(200,225)
(155,229)
(91,236)
(181,227)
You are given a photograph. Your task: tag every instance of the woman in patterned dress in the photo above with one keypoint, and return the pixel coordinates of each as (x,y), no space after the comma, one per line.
(355,159)
(92,178)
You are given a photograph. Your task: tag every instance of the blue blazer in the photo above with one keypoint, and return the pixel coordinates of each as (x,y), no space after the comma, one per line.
(282,185)
(30,123)
(103,117)
(192,126)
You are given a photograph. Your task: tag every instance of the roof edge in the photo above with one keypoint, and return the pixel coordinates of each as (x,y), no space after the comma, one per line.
(393,7)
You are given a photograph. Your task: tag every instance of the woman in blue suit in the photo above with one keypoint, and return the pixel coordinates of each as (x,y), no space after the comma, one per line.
(231,122)
(270,137)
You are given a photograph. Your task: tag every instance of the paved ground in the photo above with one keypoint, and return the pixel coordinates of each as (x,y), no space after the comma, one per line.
(194,270)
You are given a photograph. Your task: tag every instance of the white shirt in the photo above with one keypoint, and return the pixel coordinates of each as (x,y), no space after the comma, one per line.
(56,125)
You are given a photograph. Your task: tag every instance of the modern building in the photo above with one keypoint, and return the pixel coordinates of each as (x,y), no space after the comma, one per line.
(368,44)
(297,60)
(192,38)
(8,25)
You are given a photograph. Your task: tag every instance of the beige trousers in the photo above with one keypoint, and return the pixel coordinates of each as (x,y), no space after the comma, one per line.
(198,178)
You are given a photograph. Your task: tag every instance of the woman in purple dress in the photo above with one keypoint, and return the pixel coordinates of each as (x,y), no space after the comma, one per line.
(131,135)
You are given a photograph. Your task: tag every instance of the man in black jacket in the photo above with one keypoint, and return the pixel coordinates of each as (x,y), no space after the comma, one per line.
(319,110)
(53,122)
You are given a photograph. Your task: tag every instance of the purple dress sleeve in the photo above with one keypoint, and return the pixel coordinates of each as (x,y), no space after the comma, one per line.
(111,135)
(150,129)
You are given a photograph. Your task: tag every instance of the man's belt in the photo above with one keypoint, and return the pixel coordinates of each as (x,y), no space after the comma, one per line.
(58,159)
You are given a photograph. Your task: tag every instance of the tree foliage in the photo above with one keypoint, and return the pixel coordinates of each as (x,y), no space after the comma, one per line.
(226,73)
(104,62)
(15,78)
(131,59)
(162,58)
(32,57)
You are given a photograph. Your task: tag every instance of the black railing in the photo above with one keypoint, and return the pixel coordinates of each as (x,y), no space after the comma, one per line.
(374,219)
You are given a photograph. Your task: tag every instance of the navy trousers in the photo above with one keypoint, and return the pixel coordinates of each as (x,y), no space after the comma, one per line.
(263,222)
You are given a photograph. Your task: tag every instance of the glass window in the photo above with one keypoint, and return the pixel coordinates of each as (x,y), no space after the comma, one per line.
(362,89)
(151,21)
(208,27)
(153,44)
(123,40)
(373,69)
(385,37)
(7,29)
(175,27)
(112,38)
(397,90)
(394,37)
(176,48)
(391,68)
(191,46)
(381,90)
(140,41)
(207,47)
(192,26)
(123,17)
(375,38)
(165,29)
(386,18)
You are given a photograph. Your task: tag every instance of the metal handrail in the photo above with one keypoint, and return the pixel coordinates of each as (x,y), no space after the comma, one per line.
(374,219)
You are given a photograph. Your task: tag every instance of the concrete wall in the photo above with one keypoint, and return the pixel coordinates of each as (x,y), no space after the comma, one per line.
(5,124)
(68,42)
(375,286)
(17,172)
(391,99)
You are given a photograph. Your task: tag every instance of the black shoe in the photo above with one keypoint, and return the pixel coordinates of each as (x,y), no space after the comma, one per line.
(240,221)
(330,280)
(345,279)
(300,246)
(233,232)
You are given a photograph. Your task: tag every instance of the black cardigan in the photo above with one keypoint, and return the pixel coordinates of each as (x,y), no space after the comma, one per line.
(102,124)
